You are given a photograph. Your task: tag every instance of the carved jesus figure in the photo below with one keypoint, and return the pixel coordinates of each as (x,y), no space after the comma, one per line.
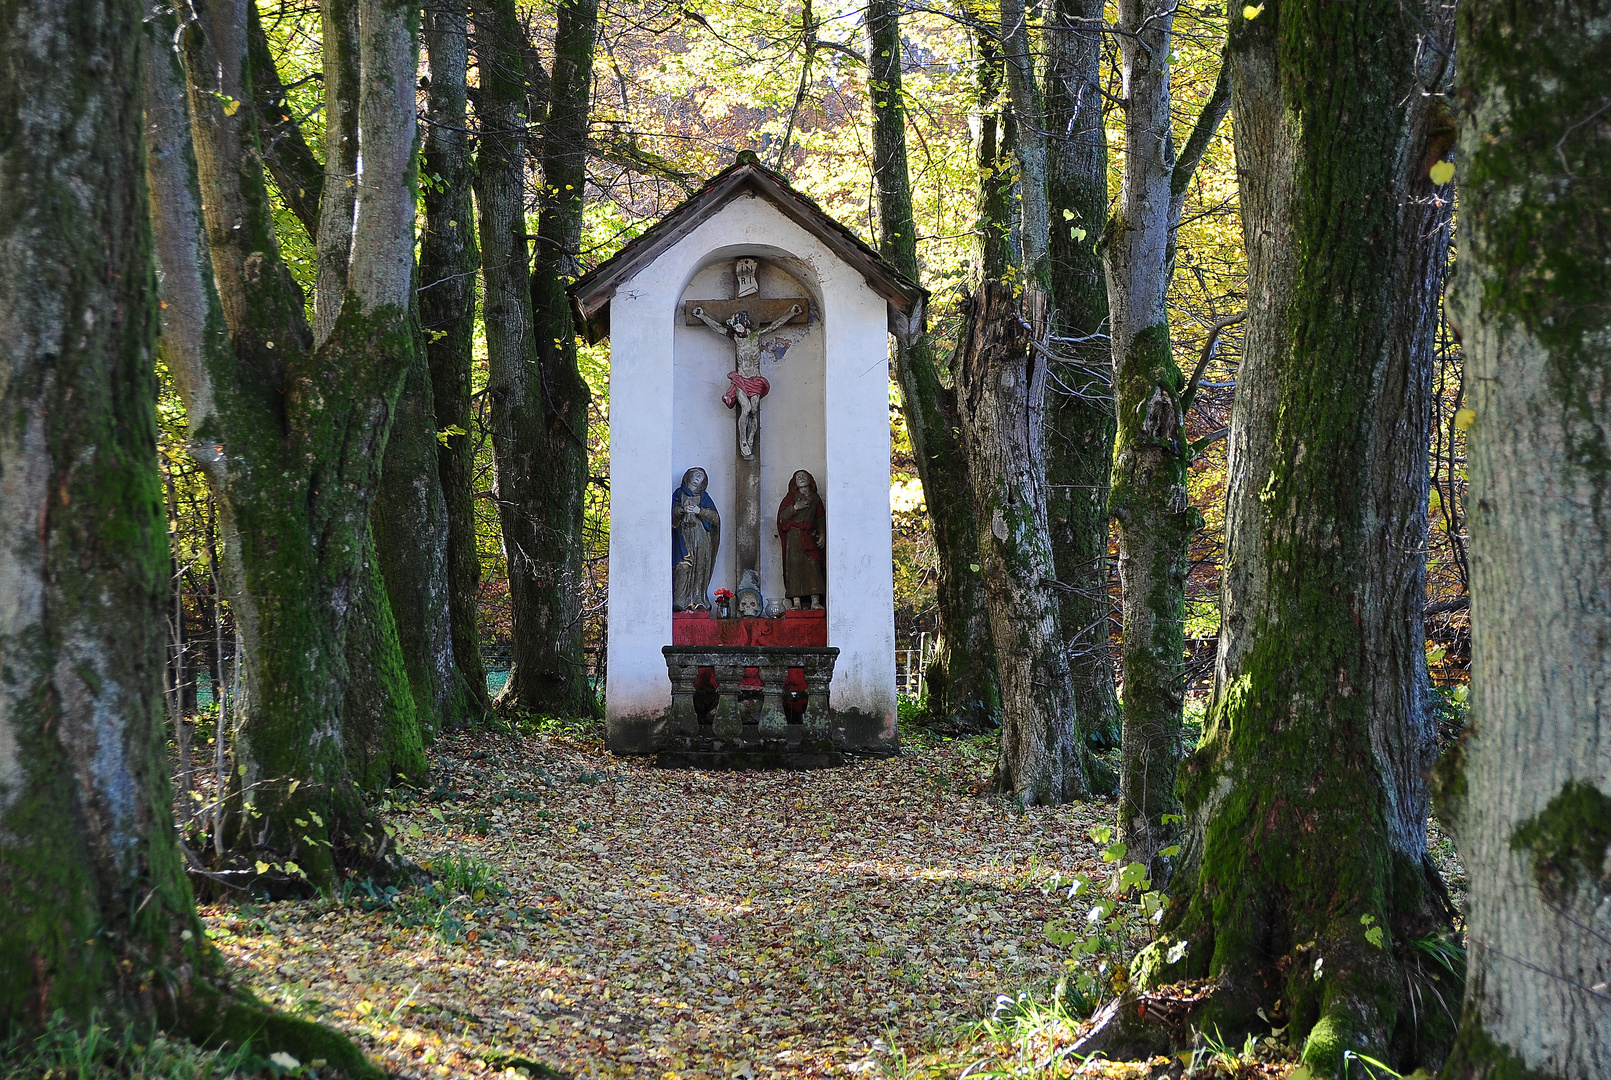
(746,386)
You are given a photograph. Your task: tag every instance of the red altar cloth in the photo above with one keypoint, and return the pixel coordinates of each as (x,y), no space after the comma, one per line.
(800,628)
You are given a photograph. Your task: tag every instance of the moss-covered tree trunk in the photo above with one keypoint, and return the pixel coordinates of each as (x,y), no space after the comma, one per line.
(540,420)
(1079,397)
(88,862)
(448,262)
(539,400)
(999,370)
(1149,494)
(1305,879)
(410,525)
(1148,498)
(100,922)
(1001,380)
(291,435)
(1531,800)
(380,729)
(961,679)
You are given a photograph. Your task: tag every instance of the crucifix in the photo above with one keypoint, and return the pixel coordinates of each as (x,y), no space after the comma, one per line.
(746,319)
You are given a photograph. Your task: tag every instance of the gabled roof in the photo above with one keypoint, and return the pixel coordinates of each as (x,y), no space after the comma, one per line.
(592,292)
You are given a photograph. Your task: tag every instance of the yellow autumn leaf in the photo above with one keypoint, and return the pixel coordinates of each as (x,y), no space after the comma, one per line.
(1442,172)
(262,867)
(1464,419)
(232,106)
(1250,12)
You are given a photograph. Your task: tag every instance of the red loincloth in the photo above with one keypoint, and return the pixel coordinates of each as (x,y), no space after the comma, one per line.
(755,386)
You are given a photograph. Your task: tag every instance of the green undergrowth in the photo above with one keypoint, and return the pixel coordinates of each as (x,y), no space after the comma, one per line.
(99,1052)
(550,726)
(462,902)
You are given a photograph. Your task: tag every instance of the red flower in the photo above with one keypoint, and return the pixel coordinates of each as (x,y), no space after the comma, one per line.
(723,594)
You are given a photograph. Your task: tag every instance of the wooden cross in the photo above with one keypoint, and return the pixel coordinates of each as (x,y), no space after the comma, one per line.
(755,316)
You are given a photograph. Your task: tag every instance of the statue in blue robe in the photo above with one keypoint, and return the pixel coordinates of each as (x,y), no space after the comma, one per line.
(696,535)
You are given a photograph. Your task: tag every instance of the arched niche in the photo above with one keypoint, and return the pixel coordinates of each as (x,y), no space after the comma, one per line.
(793,414)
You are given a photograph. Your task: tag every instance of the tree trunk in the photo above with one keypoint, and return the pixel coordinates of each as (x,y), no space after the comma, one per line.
(380,730)
(1305,877)
(291,436)
(333,240)
(1531,800)
(1148,498)
(1000,380)
(1028,143)
(1080,421)
(448,261)
(999,371)
(961,679)
(86,829)
(97,902)
(411,549)
(1149,495)
(539,411)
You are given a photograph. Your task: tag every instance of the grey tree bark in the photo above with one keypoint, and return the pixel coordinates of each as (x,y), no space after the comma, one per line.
(1148,497)
(86,826)
(539,401)
(1529,790)
(410,538)
(1080,420)
(97,902)
(999,369)
(1305,877)
(448,263)
(1001,380)
(961,678)
(290,435)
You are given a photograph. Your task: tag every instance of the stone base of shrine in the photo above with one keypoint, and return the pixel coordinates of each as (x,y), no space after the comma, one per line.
(749,707)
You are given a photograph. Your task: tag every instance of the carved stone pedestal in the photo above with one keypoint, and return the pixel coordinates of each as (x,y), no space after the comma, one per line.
(749,707)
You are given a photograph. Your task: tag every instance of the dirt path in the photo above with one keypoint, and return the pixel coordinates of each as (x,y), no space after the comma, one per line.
(695,924)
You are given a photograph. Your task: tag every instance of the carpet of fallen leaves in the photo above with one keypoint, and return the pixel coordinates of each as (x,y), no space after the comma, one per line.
(671,924)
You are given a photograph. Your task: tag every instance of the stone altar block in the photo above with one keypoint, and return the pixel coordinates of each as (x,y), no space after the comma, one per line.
(738,706)
(815,399)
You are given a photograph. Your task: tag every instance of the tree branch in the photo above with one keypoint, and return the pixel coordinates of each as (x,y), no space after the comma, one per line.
(296,172)
(1190,395)
(1202,133)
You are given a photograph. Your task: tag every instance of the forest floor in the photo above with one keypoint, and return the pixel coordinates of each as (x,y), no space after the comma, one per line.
(600,917)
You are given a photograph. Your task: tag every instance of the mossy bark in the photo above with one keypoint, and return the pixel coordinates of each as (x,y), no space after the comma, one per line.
(1305,877)
(961,678)
(291,435)
(1527,792)
(380,730)
(410,525)
(539,400)
(86,828)
(541,422)
(1000,371)
(1149,494)
(1080,420)
(100,919)
(448,263)
(1000,382)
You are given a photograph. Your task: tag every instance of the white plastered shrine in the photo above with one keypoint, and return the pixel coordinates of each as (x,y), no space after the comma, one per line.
(827,412)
